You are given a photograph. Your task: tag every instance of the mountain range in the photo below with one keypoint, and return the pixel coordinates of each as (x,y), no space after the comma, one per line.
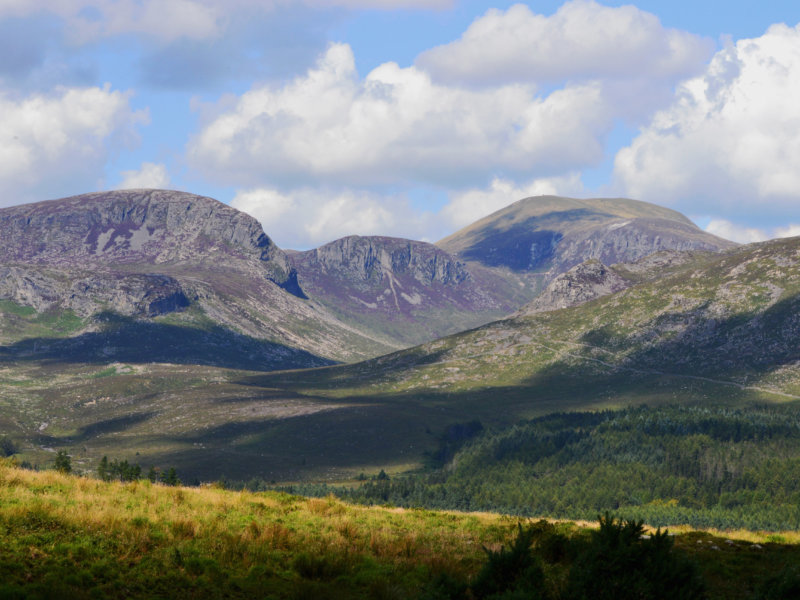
(148,322)
(143,255)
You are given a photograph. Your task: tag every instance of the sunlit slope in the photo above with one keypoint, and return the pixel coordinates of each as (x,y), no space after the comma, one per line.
(550,234)
(70,537)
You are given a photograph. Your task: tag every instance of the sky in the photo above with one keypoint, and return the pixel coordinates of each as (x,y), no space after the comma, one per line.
(412,118)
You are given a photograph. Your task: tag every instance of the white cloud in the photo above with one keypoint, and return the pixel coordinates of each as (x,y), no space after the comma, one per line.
(395,126)
(468,206)
(730,142)
(788,231)
(306,218)
(746,235)
(149,175)
(169,20)
(582,40)
(737,233)
(56,144)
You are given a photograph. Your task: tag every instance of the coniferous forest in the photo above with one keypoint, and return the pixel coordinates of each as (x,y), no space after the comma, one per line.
(706,467)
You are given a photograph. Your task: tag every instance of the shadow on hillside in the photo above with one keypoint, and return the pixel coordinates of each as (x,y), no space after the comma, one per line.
(128,340)
(345,376)
(743,344)
(329,437)
(329,441)
(105,426)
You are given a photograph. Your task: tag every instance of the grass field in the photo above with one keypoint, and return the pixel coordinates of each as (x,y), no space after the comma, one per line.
(71,537)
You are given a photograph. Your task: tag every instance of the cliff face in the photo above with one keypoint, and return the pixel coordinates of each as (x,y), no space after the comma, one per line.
(407,290)
(146,253)
(133,227)
(370,260)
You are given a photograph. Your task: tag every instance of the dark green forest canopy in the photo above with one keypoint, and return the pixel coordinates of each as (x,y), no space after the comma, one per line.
(707,467)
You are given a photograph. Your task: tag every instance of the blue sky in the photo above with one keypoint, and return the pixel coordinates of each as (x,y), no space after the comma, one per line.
(413,118)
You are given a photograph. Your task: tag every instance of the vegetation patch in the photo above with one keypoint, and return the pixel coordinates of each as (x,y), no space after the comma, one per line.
(73,537)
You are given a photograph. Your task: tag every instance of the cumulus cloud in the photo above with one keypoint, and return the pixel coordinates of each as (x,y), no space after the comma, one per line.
(149,175)
(396,125)
(730,142)
(306,217)
(169,20)
(56,144)
(747,235)
(737,233)
(582,40)
(788,231)
(468,206)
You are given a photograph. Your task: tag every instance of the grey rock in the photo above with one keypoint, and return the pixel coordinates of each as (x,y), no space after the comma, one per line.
(401,290)
(582,283)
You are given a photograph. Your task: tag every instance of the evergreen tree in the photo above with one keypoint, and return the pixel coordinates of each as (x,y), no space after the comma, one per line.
(170,477)
(63,462)
(102,469)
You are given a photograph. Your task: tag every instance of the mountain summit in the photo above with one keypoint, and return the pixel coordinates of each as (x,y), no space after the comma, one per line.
(545,236)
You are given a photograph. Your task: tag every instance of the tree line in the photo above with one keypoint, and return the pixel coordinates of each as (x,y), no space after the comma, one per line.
(703,466)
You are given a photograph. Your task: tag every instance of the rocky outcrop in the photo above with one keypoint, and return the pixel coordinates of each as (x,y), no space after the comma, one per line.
(90,293)
(582,283)
(373,259)
(155,227)
(403,289)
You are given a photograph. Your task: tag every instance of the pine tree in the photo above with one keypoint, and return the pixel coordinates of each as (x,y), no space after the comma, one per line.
(63,462)
(102,469)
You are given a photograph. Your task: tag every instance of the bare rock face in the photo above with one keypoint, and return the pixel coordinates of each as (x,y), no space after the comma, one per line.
(409,290)
(582,283)
(144,253)
(89,293)
(153,227)
(373,259)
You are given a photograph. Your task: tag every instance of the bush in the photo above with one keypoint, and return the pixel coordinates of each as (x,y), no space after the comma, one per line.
(784,585)
(621,563)
(7,446)
(511,573)
(63,462)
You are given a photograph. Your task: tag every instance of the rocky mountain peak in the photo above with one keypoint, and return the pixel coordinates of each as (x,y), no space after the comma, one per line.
(582,283)
(371,258)
(548,235)
(132,226)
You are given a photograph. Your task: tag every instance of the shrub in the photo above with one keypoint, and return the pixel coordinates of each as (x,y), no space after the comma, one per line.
(622,563)
(513,572)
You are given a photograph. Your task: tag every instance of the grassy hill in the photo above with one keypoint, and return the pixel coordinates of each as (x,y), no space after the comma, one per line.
(69,537)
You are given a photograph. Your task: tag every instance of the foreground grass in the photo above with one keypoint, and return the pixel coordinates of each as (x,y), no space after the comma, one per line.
(71,537)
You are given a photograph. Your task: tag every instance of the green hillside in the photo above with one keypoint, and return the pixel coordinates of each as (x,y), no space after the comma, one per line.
(69,537)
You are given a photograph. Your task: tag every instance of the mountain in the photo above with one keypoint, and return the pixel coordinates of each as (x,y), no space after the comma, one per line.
(156,275)
(186,264)
(408,292)
(541,237)
(145,321)
(700,328)
(405,291)
(729,319)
